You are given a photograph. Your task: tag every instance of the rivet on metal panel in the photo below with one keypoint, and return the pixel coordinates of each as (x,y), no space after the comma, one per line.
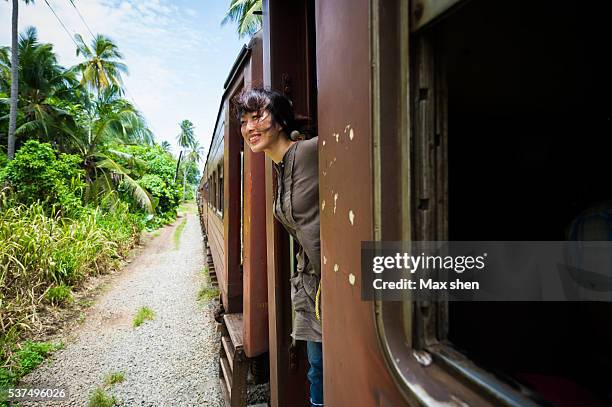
(352,217)
(352,279)
(335,200)
(323,205)
(323,142)
(423,357)
(336,268)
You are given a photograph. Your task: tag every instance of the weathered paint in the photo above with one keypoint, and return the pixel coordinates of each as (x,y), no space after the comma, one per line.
(288,68)
(354,368)
(255,287)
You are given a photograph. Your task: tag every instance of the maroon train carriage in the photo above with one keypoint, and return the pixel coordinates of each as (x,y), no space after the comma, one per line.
(437,120)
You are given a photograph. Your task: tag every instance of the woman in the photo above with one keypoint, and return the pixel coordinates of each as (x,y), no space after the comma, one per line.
(267,124)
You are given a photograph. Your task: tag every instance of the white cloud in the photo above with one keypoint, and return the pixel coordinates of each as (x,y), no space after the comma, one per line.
(178,55)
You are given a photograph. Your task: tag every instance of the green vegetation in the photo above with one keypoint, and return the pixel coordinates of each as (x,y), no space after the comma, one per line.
(143,314)
(178,232)
(207,293)
(99,398)
(114,378)
(59,294)
(207,290)
(23,360)
(247,13)
(86,178)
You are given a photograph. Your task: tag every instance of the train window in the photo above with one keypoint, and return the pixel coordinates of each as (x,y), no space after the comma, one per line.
(220,195)
(513,96)
(211,187)
(215,192)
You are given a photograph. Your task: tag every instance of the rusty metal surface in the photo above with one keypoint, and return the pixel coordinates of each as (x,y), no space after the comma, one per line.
(354,368)
(255,287)
(231,214)
(287,68)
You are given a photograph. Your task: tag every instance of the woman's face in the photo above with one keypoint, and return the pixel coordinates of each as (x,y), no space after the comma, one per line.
(259,131)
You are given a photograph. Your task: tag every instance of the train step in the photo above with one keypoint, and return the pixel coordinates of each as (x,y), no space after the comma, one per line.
(233,363)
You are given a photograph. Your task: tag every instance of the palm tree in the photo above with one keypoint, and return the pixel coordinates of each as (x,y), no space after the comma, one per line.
(102,67)
(14,79)
(113,121)
(247,13)
(185,139)
(193,156)
(166,146)
(42,83)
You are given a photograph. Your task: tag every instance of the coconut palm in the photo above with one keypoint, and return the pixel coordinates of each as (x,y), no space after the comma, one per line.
(166,146)
(185,138)
(114,121)
(196,152)
(42,83)
(14,79)
(193,156)
(102,67)
(247,13)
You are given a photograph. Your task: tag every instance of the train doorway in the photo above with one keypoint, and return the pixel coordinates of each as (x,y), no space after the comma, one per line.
(525,121)
(290,68)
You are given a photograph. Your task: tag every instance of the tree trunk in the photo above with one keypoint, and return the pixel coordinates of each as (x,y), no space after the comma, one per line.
(184,179)
(14,83)
(178,163)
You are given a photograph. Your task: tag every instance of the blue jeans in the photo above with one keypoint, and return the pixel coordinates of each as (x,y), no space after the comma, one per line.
(315,373)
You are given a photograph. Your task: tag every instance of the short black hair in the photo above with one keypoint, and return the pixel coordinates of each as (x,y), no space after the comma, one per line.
(254,100)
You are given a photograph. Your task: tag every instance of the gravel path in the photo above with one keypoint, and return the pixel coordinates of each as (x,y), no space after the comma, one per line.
(168,361)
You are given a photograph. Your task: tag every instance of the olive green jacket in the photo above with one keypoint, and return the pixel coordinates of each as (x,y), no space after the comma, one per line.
(296,206)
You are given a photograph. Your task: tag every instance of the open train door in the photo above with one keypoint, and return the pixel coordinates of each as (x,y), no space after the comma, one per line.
(289,67)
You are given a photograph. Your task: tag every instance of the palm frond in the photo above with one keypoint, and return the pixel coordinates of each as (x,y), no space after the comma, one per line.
(137,192)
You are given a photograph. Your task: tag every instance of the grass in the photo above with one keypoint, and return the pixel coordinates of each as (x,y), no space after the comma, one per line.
(60,294)
(43,254)
(114,378)
(22,361)
(188,207)
(99,398)
(207,290)
(143,314)
(177,234)
(86,303)
(207,293)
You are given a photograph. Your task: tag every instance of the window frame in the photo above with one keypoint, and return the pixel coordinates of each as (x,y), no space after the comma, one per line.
(413,334)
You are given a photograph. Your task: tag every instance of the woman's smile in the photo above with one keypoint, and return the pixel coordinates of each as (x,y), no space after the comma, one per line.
(254,138)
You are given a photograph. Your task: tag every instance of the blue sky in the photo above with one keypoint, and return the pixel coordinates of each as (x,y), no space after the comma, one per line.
(177,52)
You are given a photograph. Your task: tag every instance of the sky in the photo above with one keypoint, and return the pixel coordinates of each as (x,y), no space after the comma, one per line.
(177,52)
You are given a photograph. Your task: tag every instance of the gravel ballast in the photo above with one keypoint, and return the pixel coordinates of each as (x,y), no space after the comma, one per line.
(168,361)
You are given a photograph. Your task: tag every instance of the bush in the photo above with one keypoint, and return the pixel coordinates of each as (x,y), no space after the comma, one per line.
(158,179)
(59,294)
(37,172)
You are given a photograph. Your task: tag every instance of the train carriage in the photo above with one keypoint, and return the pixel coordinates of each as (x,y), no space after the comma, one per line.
(437,120)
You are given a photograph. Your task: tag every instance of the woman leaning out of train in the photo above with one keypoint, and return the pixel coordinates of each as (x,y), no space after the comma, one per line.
(268,125)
